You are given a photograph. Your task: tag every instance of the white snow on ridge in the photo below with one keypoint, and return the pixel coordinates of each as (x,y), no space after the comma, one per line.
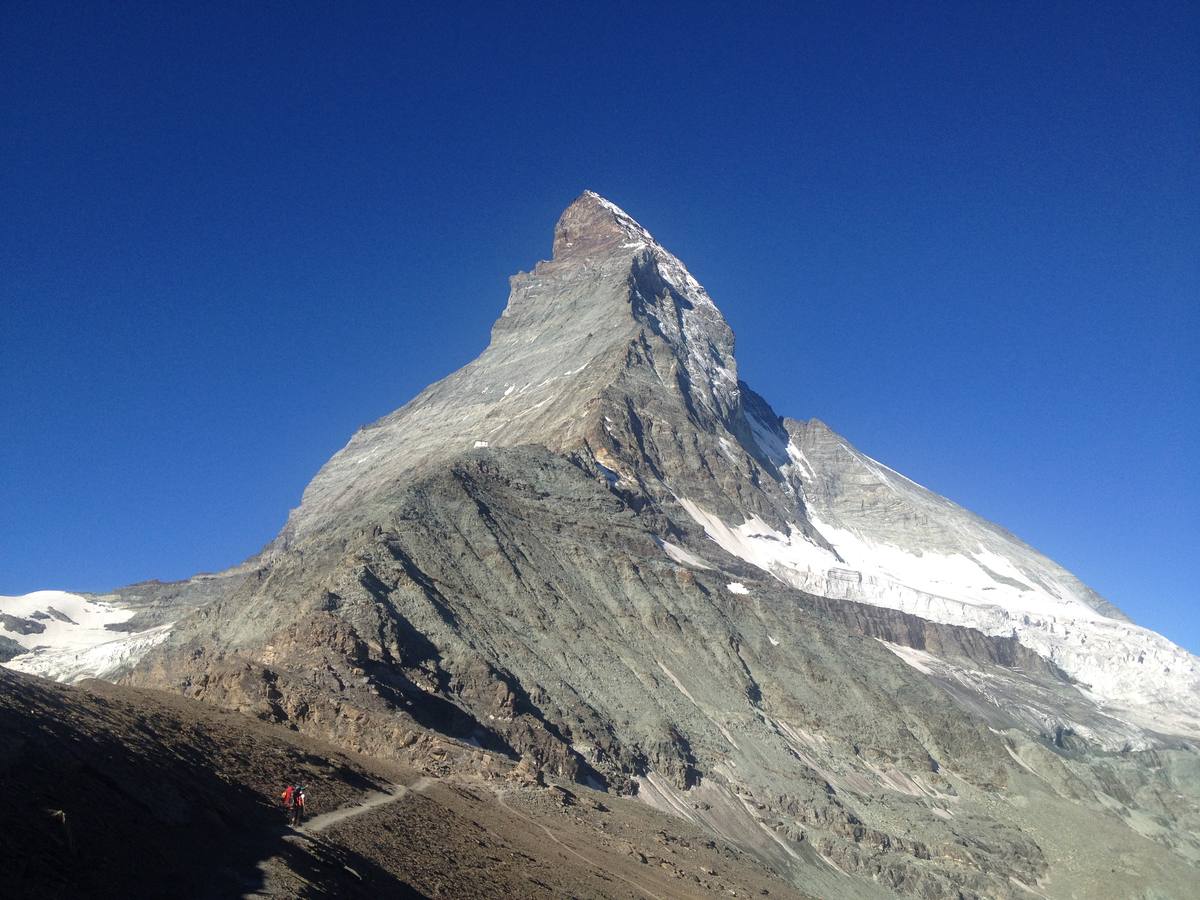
(74,644)
(951,579)
(758,543)
(736,587)
(954,576)
(1135,670)
(87,617)
(101,660)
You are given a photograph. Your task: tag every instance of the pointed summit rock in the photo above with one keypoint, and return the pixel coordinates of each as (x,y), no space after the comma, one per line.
(593,225)
(613,316)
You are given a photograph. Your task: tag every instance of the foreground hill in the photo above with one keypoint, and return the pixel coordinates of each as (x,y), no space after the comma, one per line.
(120,792)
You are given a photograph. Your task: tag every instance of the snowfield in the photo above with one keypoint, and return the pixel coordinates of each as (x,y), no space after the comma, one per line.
(1134,672)
(66,636)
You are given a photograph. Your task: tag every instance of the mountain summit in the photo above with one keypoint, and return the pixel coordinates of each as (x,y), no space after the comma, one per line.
(592,225)
(612,307)
(596,549)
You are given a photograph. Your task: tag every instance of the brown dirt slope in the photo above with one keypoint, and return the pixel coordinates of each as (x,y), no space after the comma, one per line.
(114,791)
(118,792)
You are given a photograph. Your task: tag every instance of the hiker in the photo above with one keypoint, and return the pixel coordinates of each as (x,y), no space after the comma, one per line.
(288,798)
(298,800)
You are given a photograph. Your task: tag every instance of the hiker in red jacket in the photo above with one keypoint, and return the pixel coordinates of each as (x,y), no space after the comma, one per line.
(288,798)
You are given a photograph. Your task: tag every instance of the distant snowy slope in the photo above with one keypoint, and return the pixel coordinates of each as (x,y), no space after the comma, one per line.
(874,536)
(68,637)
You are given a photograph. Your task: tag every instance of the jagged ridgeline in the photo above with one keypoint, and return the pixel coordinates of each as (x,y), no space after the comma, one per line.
(595,548)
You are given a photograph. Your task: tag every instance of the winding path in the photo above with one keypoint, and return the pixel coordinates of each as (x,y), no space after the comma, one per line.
(376,799)
(317,824)
(371,801)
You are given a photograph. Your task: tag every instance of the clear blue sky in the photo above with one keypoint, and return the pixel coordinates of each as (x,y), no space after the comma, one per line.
(965,235)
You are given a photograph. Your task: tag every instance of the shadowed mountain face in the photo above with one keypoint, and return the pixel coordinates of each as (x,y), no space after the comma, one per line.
(597,548)
(114,792)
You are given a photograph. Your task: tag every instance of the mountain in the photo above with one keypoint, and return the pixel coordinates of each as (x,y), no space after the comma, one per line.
(597,549)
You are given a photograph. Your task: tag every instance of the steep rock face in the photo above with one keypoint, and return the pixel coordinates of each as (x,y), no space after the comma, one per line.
(663,414)
(512,600)
(610,300)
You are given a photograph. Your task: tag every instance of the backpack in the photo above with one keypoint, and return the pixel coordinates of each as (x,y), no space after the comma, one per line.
(287,795)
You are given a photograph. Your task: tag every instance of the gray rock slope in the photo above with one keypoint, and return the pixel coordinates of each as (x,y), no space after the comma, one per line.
(595,547)
(612,351)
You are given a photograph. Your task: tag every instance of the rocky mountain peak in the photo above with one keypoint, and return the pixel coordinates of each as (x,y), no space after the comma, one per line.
(592,225)
(612,315)
(608,282)
(613,352)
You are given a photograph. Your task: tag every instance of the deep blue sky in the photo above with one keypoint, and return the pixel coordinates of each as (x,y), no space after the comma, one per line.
(966,237)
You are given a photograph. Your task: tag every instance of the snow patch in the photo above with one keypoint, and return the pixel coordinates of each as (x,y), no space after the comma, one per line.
(788,557)
(769,440)
(74,643)
(954,576)
(736,587)
(796,455)
(918,659)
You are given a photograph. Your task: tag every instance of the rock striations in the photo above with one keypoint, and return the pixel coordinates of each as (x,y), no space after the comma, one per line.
(595,549)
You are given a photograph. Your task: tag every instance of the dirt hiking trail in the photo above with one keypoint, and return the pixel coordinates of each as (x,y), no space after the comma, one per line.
(371,801)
